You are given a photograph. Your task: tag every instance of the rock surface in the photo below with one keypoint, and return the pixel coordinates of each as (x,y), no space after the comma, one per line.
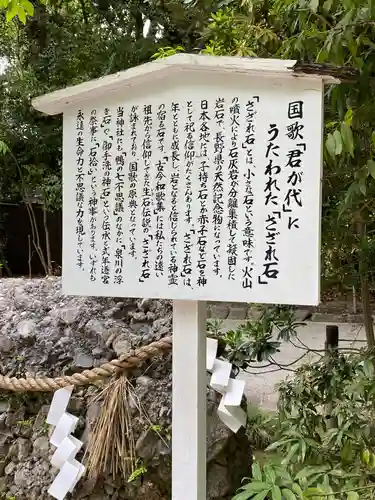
(43,332)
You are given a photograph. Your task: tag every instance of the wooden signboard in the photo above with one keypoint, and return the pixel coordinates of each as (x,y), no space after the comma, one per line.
(193,178)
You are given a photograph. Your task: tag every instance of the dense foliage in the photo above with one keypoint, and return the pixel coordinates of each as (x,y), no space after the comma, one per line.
(319,455)
(321,442)
(51,44)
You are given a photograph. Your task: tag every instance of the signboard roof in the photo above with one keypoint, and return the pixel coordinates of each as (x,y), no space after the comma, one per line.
(56,102)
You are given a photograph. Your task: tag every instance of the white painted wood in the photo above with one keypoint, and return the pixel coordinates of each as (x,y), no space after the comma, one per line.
(56,102)
(189,401)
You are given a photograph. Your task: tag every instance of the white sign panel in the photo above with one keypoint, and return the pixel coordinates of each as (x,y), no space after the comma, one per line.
(203,190)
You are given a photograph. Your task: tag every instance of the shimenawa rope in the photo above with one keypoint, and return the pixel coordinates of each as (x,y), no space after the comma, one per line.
(124,362)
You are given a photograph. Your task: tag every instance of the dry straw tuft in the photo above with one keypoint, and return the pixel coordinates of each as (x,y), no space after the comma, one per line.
(112,444)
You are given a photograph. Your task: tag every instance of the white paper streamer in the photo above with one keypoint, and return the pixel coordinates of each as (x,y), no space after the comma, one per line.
(59,404)
(65,426)
(65,481)
(211,352)
(229,411)
(67,446)
(66,451)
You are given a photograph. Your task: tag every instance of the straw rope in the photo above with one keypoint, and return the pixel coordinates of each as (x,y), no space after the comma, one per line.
(124,362)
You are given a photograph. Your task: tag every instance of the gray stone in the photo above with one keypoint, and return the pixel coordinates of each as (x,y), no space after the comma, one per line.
(82,360)
(96,327)
(20,449)
(139,317)
(218,481)
(219,311)
(109,489)
(93,411)
(26,328)
(4,406)
(69,315)
(41,446)
(100,362)
(254,313)
(121,345)
(144,381)
(3,484)
(10,468)
(40,421)
(147,445)
(160,323)
(98,352)
(6,344)
(142,329)
(21,478)
(145,305)
(238,312)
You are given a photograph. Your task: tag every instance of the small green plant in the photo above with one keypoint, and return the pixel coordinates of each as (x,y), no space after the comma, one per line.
(161,432)
(275,482)
(140,470)
(26,423)
(167,52)
(45,428)
(156,428)
(214,327)
(260,427)
(253,341)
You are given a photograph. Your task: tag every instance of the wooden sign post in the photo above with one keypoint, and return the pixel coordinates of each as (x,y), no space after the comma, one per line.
(193,178)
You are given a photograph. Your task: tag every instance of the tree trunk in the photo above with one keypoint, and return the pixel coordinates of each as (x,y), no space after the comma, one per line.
(48,245)
(354,295)
(331,350)
(365,288)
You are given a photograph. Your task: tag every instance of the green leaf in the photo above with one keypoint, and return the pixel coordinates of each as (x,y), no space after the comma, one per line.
(368,367)
(10,14)
(338,142)
(261,496)
(290,455)
(311,492)
(331,145)
(277,444)
(282,472)
(28,6)
(362,186)
(3,148)
(244,495)
(371,168)
(373,138)
(337,473)
(140,471)
(311,471)
(327,6)
(297,489)
(352,495)
(276,493)
(314,5)
(257,473)
(270,474)
(288,494)
(22,15)
(348,118)
(256,487)
(347,137)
